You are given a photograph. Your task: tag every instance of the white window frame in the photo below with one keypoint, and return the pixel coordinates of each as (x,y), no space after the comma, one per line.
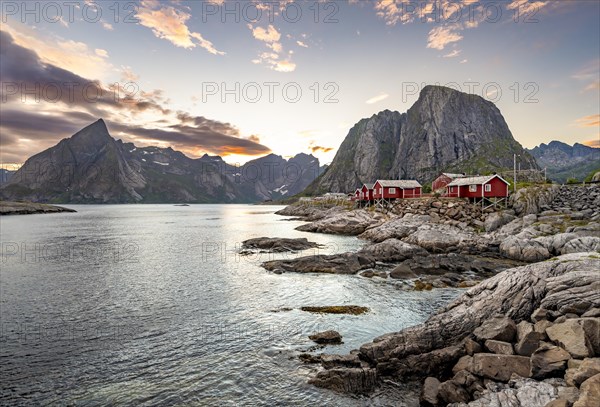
(473,188)
(380,190)
(488,188)
(392,191)
(451,189)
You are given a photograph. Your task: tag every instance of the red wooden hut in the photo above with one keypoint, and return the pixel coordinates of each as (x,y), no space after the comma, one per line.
(396,189)
(490,186)
(444,179)
(366,192)
(356,196)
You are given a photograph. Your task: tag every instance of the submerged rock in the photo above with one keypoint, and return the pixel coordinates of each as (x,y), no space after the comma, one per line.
(337,309)
(326,337)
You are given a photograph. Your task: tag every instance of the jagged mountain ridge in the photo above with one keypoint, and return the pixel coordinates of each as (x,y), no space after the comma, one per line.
(564,161)
(445,130)
(93,167)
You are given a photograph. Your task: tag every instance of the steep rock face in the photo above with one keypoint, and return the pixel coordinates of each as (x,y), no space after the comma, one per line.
(89,166)
(5,175)
(450,130)
(365,155)
(92,167)
(564,161)
(445,130)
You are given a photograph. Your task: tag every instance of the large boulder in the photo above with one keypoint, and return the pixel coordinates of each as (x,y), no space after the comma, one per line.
(529,343)
(497,329)
(524,249)
(582,244)
(440,238)
(392,250)
(590,392)
(501,367)
(555,243)
(429,392)
(344,223)
(571,336)
(452,392)
(344,263)
(499,347)
(528,338)
(529,200)
(496,220)
(549,361)
(519,392)
(397,228)
(587,368)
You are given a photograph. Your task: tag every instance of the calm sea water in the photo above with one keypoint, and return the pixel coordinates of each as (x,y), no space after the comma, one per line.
(151,305)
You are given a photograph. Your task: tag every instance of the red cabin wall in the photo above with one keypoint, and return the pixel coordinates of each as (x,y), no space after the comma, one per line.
(440,182)
(499,189)
(376,194)
(388,195)
(412,192)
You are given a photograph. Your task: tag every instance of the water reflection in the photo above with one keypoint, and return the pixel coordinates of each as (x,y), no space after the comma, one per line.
(155,306)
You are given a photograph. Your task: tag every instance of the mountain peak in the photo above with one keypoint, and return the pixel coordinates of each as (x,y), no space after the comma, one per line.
(95,133)
(437,91)
(444,130)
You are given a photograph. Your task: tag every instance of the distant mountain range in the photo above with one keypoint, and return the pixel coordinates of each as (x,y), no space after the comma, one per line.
(444,131)
(5,175)
(564,161)
(93,167)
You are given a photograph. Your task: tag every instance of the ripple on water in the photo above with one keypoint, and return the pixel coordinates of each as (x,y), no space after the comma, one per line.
(153,306)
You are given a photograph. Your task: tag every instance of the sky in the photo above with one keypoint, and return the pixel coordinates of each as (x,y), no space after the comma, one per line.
(243,79)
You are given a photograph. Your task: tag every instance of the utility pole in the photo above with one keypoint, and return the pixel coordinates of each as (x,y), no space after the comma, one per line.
(545,176)
(514,173)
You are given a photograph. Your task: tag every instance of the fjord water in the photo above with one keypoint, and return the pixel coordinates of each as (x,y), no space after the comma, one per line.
(151,305)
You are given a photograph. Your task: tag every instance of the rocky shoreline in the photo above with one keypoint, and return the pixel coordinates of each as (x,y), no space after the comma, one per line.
(28,208)
(534,269)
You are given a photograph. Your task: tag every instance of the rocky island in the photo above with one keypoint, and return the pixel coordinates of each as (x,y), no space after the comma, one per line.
(27,208)
(526,332)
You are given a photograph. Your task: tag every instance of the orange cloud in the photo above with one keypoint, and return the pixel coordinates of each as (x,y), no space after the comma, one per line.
(316,149)
(588,121)
(170,24)
(592,143)
(73,56)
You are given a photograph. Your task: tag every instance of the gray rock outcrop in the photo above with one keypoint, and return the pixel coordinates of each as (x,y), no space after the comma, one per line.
(568,283)
(445,130)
